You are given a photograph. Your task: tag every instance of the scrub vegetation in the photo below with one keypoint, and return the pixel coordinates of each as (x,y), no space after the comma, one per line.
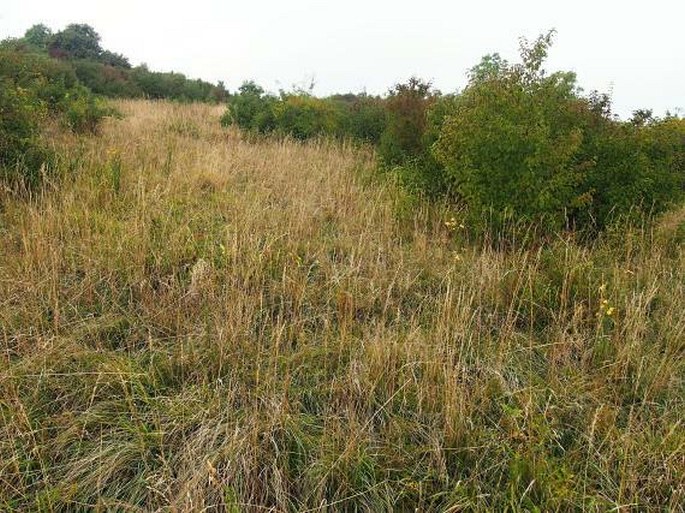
(416,302)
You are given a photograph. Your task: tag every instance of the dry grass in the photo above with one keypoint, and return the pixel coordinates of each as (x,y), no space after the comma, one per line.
(191,321)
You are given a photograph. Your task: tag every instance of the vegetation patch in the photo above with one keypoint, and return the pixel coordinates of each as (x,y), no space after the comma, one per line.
(203,317)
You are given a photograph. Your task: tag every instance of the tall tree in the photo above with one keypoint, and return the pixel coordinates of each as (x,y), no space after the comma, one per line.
(77,41)
(38,36)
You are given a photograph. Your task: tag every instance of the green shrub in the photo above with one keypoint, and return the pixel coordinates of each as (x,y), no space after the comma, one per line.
(48,79)
(251,109)
(298,115)
(83,111)
(21,154)
(639,170)
(33,88)
(363,117)
(106,80)
(38,37)
(520,144)
(303,116)
(175,86)
(407,122)
(414,116)
(114,60)
(52,87)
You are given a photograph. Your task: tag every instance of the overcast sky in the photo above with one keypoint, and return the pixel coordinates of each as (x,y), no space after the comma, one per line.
(633,49)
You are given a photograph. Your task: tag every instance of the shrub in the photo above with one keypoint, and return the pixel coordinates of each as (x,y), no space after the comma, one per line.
(639,170)
(364,117)
(303,116)
(21,154)
(34,87)
(38,37)
(83,111)
(53,88)
(407,121)
(298,114)
(414,115)
(48,79)
(176,86)
(106,80)
(251,109)
(113,59)
(521,145)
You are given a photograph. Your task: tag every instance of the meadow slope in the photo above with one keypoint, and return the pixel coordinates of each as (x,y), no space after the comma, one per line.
(192,321)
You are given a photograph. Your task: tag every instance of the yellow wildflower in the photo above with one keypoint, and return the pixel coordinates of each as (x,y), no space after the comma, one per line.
(451,224)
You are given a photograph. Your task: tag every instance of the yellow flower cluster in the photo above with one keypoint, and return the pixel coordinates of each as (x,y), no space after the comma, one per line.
(605,309)
(452,224)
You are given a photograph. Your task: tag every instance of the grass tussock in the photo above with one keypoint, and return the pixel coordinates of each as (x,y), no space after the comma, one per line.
(191,321)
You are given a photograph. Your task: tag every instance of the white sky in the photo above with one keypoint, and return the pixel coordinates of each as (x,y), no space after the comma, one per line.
(634,49)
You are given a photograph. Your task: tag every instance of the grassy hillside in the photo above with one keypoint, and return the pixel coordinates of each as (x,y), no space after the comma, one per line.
(191,321)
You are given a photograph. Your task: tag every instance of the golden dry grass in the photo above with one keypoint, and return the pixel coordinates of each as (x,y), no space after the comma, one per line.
(191,321)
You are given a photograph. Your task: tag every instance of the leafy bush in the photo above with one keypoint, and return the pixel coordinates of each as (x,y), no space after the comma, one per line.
(115,60)
(47,79)
(38,36)
(519,144)
(300,115)
(303,116)
(83,111)
(251,109)
(639,169)
(106,80)
(407,121)
(21,154)
(297,114)
(414,116)
(33,88)
(158,85)
(363,117)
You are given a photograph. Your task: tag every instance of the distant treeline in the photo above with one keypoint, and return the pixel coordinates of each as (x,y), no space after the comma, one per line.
(517,144)
(108,73)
